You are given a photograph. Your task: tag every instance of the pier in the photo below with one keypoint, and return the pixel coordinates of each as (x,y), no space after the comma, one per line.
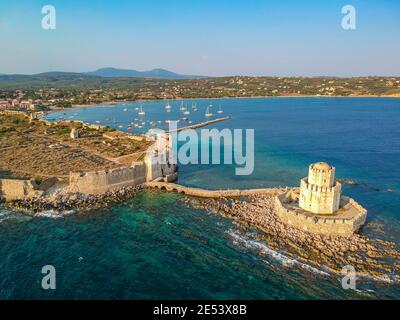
(201,124)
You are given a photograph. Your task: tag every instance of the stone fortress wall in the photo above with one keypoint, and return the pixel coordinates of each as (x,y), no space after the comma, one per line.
(150,169)
(94,182)
(317,199)
(13,189)
(326,225)
(97,182)
(100,181)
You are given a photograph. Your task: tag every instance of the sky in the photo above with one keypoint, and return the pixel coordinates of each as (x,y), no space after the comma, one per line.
(207,37)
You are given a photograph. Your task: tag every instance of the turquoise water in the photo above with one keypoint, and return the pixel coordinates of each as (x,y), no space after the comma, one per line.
(152,247)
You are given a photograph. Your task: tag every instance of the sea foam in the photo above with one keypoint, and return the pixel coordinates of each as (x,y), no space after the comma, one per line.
(283,259)
(53,214)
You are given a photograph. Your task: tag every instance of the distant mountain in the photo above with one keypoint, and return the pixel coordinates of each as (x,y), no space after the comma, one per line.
(43,78)
(49,79)
(153,74)
(100,78)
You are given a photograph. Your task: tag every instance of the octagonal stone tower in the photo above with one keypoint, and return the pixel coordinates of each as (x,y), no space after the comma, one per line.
(319,193)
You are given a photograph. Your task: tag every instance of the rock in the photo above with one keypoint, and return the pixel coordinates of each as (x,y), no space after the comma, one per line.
(74,134)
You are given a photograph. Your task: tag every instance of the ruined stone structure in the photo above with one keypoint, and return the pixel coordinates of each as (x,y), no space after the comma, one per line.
(13,189)
(74,134)
(319,192)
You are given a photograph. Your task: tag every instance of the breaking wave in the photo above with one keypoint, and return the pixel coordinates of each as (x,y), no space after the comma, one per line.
(8,215)
(53,214)
(284,260)
(287,261)
(4,215)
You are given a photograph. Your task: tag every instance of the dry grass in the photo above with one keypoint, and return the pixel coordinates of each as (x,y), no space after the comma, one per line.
(27,149)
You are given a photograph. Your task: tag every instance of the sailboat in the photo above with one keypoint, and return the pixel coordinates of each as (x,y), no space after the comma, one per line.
(182,108)
(141,112)
(186,111)
(194,106)
(220,110)
(168,106)
(208,111)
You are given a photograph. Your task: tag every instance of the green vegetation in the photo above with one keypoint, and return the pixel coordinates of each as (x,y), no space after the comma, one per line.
(63,90)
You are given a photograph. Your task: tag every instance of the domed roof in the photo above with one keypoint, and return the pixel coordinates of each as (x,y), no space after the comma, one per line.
(322,166)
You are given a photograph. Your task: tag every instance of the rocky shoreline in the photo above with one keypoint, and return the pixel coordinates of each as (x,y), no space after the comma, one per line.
(372,258)
(70,201)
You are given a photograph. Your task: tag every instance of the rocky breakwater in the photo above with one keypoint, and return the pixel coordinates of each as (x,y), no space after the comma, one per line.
(65,201)
(371,258)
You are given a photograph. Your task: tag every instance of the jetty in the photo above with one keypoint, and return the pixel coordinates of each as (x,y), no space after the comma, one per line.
(201,124)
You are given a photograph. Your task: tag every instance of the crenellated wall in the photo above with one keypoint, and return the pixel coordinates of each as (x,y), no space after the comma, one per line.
(342,224)
(321,177)
(317,199)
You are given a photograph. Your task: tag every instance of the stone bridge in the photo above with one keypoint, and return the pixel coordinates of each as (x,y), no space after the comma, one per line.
(204,193)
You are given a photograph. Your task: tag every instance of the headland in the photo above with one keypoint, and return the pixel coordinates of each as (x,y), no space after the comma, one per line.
(72,165)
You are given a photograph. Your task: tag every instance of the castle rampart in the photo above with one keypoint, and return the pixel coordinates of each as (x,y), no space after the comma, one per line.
(102,181)
(344,223)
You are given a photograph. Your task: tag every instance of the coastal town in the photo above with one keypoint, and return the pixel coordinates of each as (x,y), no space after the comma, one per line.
(51,91)
(18,103)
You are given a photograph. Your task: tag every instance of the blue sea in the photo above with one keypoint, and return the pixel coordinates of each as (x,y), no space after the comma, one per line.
(153,247)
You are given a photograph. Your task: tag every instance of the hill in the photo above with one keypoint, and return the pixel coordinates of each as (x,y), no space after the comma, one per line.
(127,73)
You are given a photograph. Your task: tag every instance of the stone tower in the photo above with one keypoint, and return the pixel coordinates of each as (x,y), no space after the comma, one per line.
(319,193)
